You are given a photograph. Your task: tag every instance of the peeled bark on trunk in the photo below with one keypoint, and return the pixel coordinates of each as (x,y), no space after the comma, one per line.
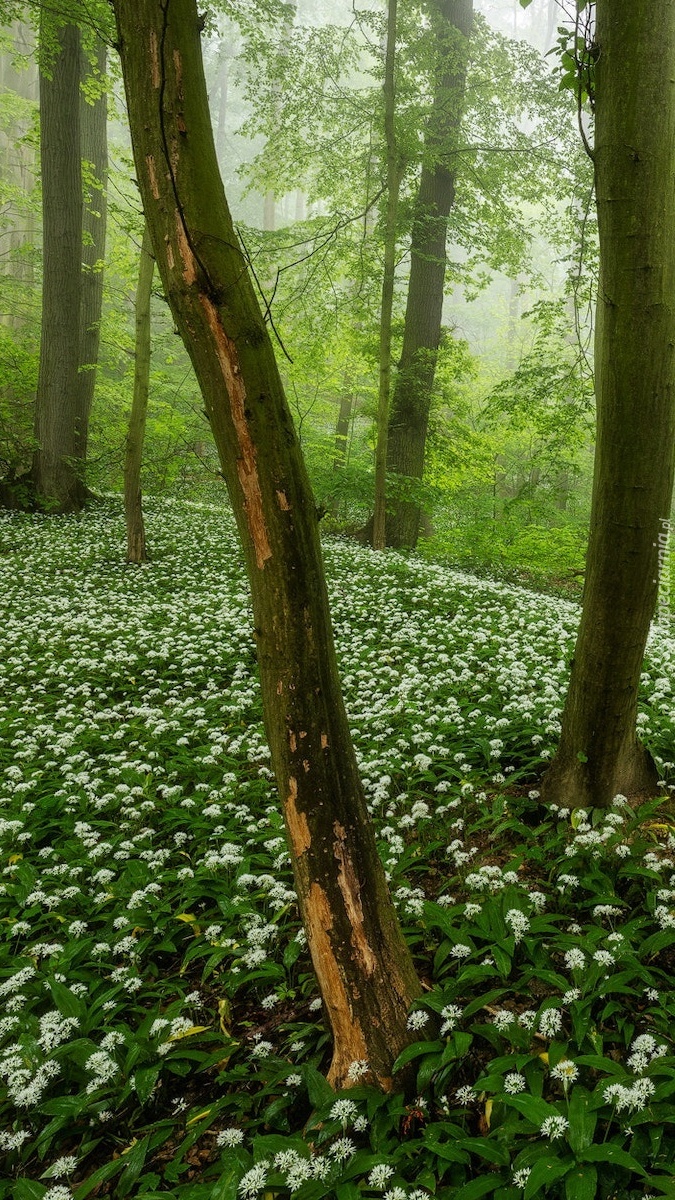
(362,962)
(411,402)
(56,473)
(388,276)
(94,151)
(133,499)
(600,754)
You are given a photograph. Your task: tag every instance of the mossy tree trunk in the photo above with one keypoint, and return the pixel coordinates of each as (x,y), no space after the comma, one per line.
(94,153)
(133,459)
(359,954)
(600,754)
(57,470)
(411,401)
(388,279)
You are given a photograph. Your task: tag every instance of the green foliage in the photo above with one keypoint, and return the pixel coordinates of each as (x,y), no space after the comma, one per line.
(161,1031)
(550,393)
(18,380)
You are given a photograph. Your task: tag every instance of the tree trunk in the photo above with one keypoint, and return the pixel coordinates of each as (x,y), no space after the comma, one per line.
(388,272)
(133,501)
(411,402)
(18,235)
(270,212)
(94,152)
(56,473)
(221,135)
(342,431)
(362,962)
(343,425)
(600,754)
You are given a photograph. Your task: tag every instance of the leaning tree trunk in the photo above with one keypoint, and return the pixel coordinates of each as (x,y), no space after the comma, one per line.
(133,499)
(363,965)
(94,152)
(388,279)
(600,754)
(411,402)
(56,472)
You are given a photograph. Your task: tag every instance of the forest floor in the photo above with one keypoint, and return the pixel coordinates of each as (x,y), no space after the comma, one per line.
(160,1026)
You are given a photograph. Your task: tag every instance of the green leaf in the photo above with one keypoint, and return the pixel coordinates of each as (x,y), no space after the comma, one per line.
(266,1145)
(460,1044)
(611,1154)
(145,1079)
(531,1107)
(503,961)
(319,1090)
(489,1150)
(133,1165)
(449,1151)
(581,1182)
(25,1189)
(348,1191)
(545,1171)
(416,1050)
(481,1186)
(292,953)
(100,1176)
(237,1163)
(64,1106)
(582,1120)
(67,1004)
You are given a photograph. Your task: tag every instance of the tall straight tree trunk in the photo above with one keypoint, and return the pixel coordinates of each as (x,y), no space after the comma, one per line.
(343,424)
(388,273)
(362,962)
(270,211)
(224,81)
(133,500)
(411,402)
(17,155)
(94,152)
(600,754)
(342,430)
(56,472)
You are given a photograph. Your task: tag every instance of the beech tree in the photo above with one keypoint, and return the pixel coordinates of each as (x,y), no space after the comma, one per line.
(360,957)
(411,401)
(388,277)
(60,427)
(18,166)
(72,128)
(94,153)
(133,502)
(600,754)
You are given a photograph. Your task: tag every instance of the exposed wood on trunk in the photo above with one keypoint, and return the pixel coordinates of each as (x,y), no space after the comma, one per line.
(218,315)
(246,462)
